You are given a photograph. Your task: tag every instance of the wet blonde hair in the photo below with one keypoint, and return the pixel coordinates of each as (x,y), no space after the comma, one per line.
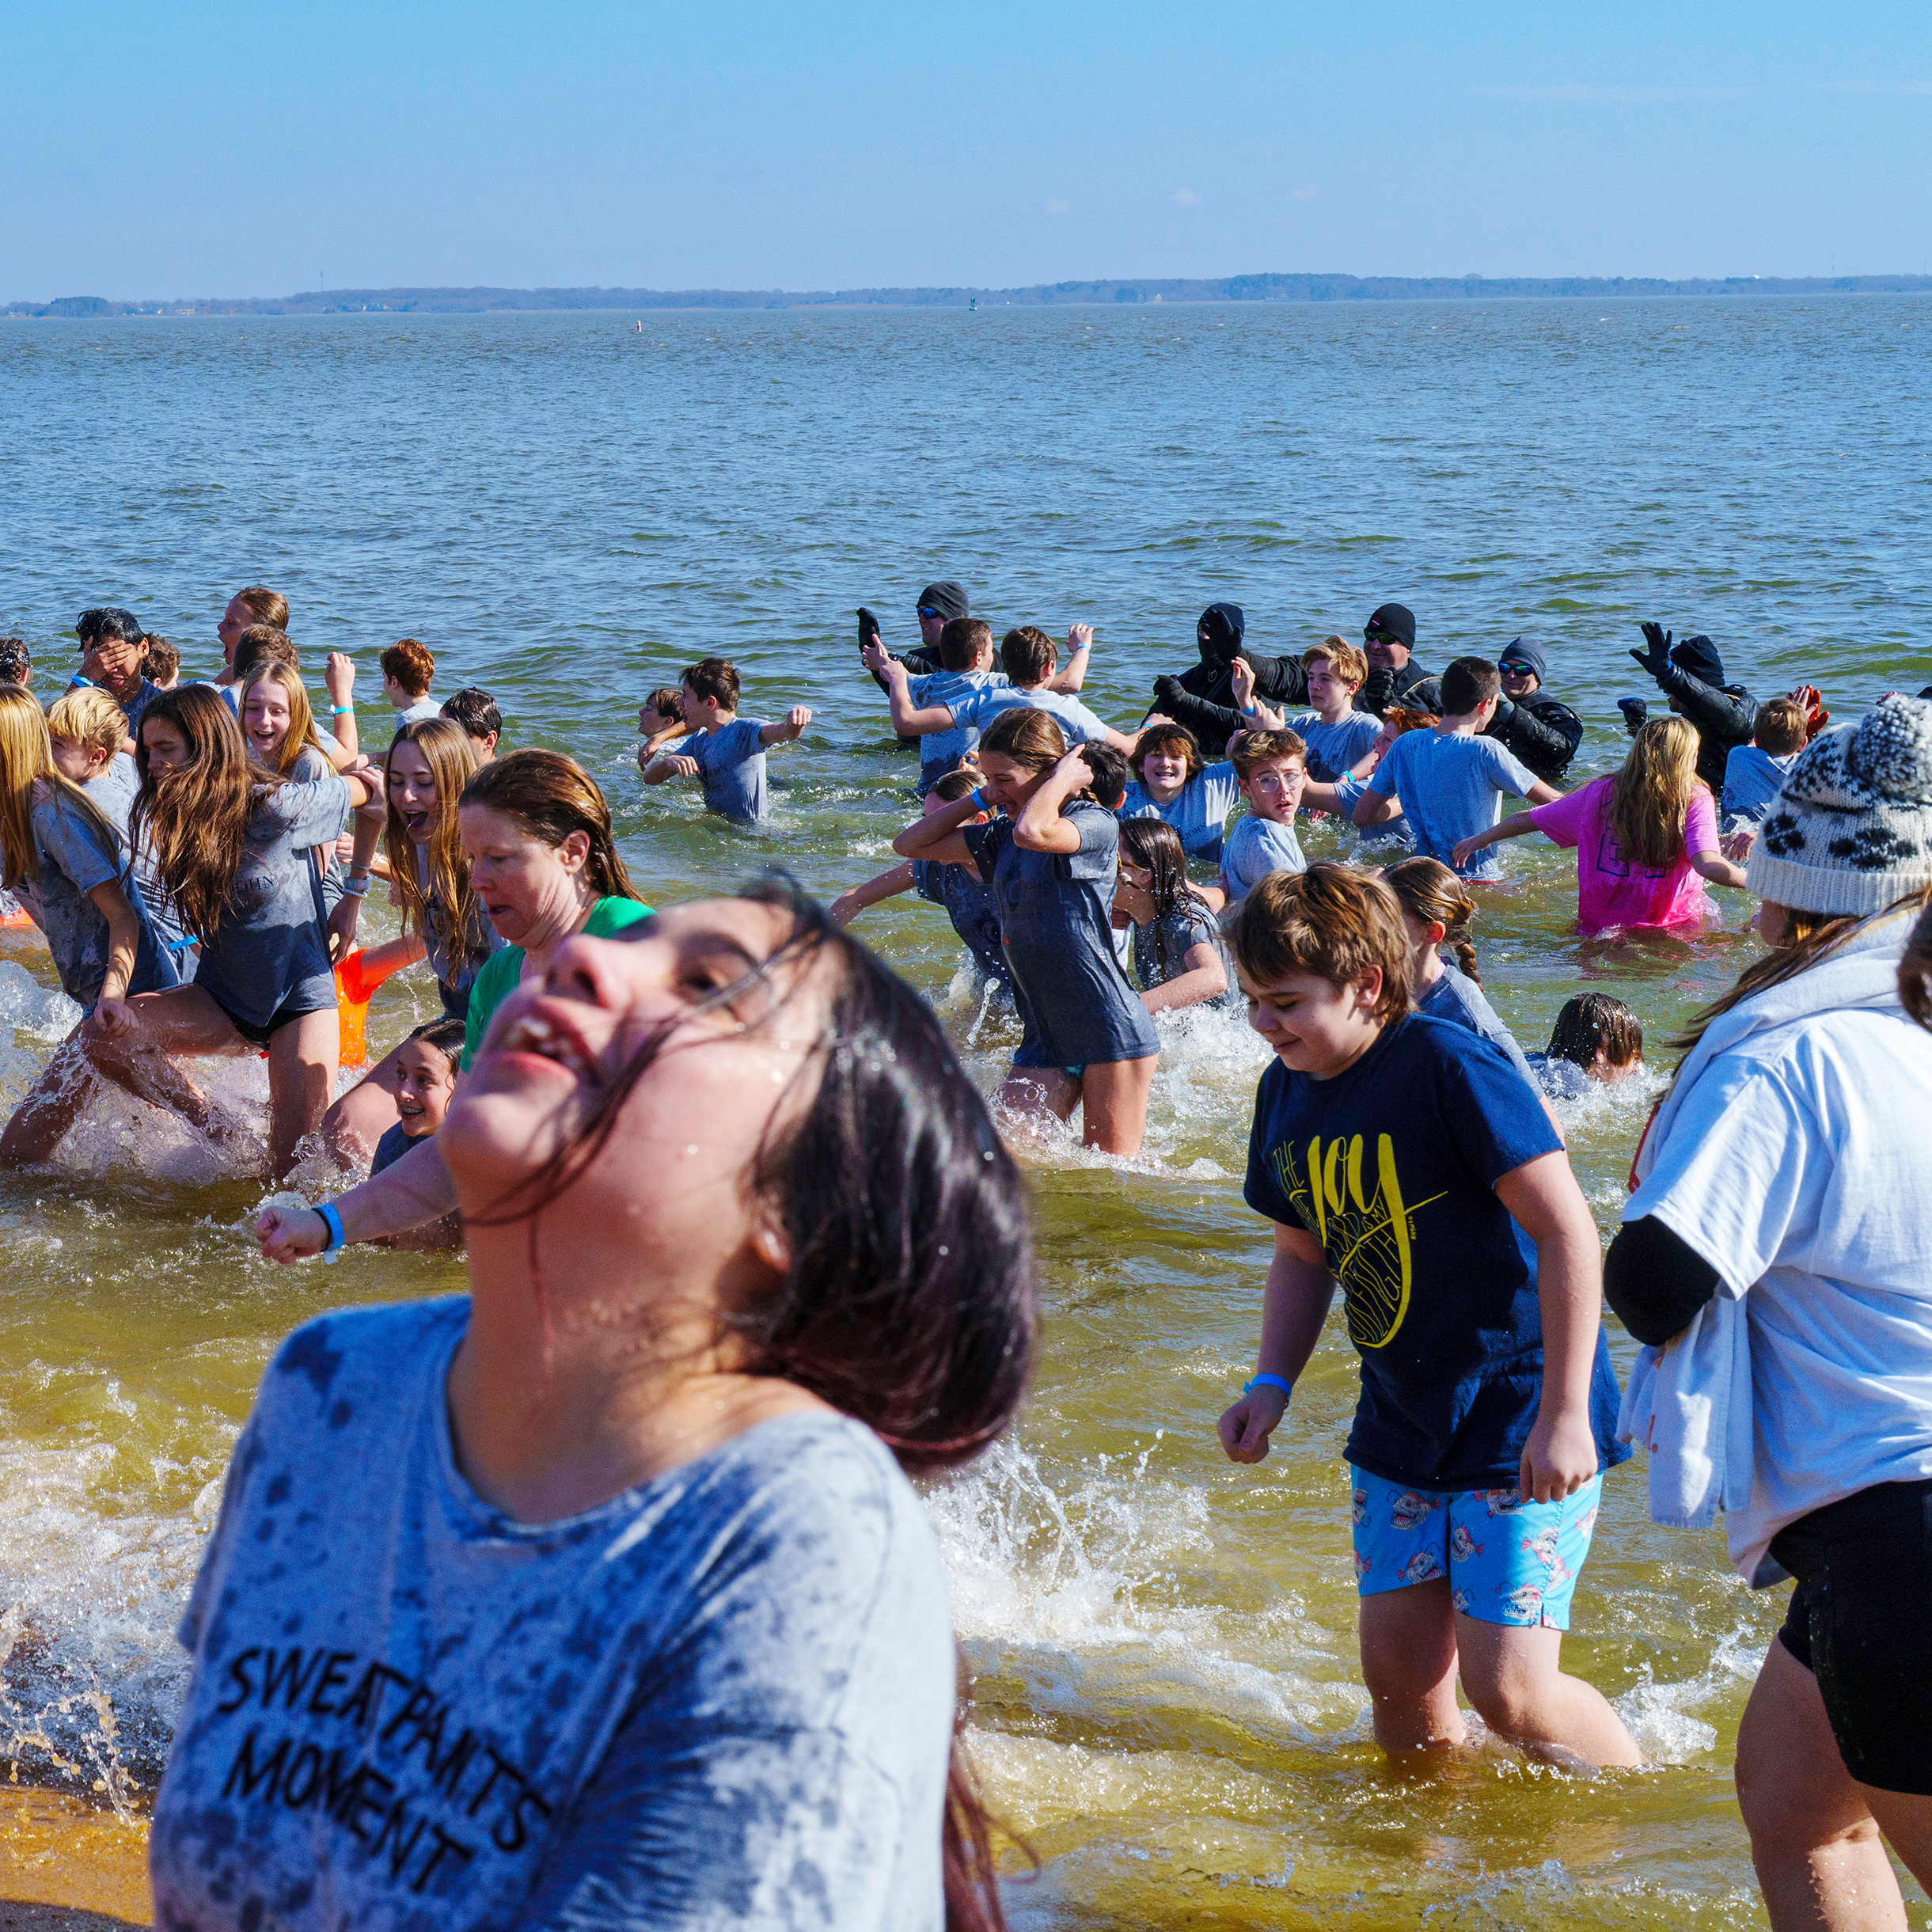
(1650,794)
(88,716)
(26,759)
(301,736)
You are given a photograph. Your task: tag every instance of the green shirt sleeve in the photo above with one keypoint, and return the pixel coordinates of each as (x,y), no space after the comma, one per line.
(498,975)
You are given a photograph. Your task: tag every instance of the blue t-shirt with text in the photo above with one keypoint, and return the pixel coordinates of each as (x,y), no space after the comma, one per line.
(1391,1165)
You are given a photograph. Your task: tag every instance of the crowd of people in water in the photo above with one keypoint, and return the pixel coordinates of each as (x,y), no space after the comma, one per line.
(599,1595)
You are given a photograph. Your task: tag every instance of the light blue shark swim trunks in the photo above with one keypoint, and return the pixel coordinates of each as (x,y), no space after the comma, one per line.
(1507,1561)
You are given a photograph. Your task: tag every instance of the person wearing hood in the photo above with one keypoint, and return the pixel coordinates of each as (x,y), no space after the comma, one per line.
(1203,697)
(1394,677)
(1690,674)
(1541,732)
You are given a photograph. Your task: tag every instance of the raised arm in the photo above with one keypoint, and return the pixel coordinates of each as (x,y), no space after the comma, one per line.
(338,674)
(1040,826)
(1072,674)
(1293,1310)
(907,720)
(938,836)
(671,765)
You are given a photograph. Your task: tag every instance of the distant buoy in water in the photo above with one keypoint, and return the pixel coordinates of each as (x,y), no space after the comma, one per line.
(641,328)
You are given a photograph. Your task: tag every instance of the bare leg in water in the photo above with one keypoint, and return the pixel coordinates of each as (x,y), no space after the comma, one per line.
(1112,1096)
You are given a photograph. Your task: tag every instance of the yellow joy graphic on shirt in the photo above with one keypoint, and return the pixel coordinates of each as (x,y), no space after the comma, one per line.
(1368,1238)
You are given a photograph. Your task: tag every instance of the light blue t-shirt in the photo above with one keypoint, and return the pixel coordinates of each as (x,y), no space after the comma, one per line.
(1452,786)
(1081,725)
(722,1697)
(730,762)
(1333,748)
(939,751)
(1257,846)
(1457,998)
(1198,812)
(75,857)
(1752,778)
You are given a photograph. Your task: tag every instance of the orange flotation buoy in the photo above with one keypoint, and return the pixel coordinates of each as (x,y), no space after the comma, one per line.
(355,982)
(19,916)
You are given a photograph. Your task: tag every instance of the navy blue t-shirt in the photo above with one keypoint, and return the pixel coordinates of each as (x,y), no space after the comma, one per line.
(1392,1166)
(968,904)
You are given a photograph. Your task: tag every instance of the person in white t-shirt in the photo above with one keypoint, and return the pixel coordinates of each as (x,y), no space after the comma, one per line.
(1785,1175)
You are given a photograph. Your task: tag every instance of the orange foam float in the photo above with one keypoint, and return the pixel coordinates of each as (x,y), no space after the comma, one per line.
(354,982)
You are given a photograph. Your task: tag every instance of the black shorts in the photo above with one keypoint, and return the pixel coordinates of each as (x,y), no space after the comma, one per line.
(314,994)
(1861,1622)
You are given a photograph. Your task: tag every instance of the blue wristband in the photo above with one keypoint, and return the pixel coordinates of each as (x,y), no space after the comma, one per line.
(1248,711)
(1268,1381)
(332,1221)
(979,799)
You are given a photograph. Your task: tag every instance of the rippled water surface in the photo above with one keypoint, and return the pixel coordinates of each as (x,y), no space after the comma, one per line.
(568,511)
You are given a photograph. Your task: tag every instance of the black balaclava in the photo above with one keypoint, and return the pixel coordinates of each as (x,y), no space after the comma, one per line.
(1224,625)
(1699,657)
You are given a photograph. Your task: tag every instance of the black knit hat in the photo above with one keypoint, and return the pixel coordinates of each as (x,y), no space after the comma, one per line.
(1395,622)
(948,598)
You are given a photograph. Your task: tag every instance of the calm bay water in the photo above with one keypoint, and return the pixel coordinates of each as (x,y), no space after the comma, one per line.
(568,511)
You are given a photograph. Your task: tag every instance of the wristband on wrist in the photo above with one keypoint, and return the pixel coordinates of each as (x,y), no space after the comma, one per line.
(1268,1381)
(332,1221)
(351,890)
(979,799)
(341,710)
(1248,711)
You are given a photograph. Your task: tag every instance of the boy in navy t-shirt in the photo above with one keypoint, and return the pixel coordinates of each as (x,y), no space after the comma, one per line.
(1404,1159)
(725,751)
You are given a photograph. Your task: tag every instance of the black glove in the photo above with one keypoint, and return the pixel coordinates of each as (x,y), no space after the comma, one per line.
(868,627)
(1167,689)
(1636,713)
(1657,660)
(1506,710)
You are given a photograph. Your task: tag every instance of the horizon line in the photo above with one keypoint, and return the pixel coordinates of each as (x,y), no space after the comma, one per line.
(1127,289)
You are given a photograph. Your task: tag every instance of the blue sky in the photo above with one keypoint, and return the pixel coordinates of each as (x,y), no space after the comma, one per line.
(249,150)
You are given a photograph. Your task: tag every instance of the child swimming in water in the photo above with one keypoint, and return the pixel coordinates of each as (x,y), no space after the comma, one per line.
(1401,1159)
(1178,956)
(724,750)
(1595,1039)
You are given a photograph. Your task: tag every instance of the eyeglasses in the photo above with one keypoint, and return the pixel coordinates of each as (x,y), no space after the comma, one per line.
(926,610)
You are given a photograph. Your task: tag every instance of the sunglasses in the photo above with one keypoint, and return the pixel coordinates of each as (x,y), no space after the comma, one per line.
(926,610)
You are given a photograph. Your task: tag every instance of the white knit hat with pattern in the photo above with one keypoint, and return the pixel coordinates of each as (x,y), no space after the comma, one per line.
(1850,830)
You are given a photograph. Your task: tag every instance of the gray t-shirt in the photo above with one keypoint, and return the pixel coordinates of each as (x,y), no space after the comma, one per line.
(722,1698)
(1452,786)
(978,710)
(75,857)
(730,763)
(1334,748)
(1256,848)
(270,944)
(1457,997)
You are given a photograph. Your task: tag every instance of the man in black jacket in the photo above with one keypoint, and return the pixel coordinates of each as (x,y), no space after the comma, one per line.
(1202,697)
(938,604)
(1394,677)
(1542,732)
(1690,674)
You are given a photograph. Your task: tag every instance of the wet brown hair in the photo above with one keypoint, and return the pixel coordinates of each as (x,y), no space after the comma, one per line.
(1779,727)
(195,815)
(264,606)
(1028,656)
(1031,738)
(262,643)
(963,640)
(1432,894)
(1593,1020)
(551,796)
(1331,922)
(715,678)
(953,786)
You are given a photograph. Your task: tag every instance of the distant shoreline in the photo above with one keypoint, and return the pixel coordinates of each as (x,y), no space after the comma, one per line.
(1127,290)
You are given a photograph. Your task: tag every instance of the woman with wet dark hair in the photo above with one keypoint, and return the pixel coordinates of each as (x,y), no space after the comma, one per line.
(599,1597)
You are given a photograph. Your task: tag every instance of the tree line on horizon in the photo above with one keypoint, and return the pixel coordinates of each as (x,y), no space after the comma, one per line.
(1299,288)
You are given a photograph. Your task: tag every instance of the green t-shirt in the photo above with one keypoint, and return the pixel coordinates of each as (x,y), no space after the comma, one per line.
(496,979)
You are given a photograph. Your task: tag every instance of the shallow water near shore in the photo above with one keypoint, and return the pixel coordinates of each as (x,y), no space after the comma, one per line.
(1169,1704)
